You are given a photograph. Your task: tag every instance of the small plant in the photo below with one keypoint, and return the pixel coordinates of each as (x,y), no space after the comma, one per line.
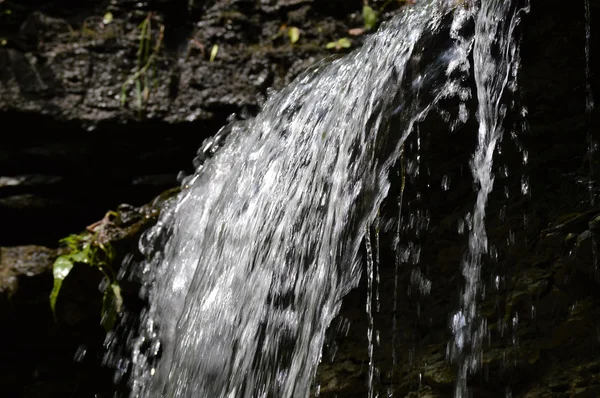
(370,16)
(344,42)
(146,59)
(94,28)
(93,249)
(292,32)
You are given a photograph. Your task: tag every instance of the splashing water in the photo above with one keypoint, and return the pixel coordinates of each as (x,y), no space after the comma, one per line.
(248,266)
(496,62)
(262,243)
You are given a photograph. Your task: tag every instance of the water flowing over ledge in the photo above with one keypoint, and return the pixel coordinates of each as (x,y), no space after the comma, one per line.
(248,267)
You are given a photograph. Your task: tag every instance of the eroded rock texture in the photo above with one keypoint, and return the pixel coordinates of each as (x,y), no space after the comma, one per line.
(82,146)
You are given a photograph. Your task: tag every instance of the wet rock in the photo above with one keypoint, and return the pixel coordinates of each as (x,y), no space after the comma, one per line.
(64,70)
(46,357)
(594,223)
(74,69)
(23,262)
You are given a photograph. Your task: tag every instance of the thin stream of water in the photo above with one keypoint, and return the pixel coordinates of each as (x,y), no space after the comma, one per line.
(369,310)
(495,26)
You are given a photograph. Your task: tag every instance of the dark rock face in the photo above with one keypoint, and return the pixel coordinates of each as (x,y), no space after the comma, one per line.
(61,76)
(63,72)
(63,354)
(541,277)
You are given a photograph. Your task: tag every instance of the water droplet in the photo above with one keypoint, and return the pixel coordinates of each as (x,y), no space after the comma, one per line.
(80,353)
(445,182)
(525,185)
(494,253)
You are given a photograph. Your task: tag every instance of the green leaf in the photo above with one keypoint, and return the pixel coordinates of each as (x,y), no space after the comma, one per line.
(369,16)
(3,42)
(344,42)
(60,270)
(213,52)
(73,242)
(294,34)
(331,45)
(81,256)
(108,17)
(112,302)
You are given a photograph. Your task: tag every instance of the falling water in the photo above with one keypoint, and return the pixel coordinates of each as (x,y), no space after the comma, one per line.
(262,244)
(496,61)
(370,278)
(248,266)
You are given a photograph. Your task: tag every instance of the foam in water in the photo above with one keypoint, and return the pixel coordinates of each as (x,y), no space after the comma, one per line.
(249,265)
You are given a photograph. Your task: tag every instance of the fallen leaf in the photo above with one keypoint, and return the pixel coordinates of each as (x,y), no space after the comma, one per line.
(356,31)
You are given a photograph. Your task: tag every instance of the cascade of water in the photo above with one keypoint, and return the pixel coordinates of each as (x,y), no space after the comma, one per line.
(247,268)
(496,61)
(261,245)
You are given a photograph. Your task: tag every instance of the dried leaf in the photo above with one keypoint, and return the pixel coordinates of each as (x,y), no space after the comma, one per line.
(356,31)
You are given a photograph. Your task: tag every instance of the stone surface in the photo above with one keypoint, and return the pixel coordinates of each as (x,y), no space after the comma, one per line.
(63,70)
(23,262)
(62,355)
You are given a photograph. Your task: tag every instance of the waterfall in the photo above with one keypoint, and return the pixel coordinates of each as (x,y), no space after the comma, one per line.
(496,62)
(248,266)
